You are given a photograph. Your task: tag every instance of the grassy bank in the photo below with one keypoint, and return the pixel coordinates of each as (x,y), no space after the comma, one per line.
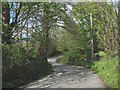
(108,70)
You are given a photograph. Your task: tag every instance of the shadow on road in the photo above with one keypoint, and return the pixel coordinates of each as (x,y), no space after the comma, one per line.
(68,76)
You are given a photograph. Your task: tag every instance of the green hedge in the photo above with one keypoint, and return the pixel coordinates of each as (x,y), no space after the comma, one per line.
(108,70)
(21,66)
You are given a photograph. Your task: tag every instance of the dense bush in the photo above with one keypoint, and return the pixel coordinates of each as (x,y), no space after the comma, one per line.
(108,70)
(75,58)
(21,66)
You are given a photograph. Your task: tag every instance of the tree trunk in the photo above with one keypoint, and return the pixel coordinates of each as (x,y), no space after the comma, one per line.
(6,36)
(95,46)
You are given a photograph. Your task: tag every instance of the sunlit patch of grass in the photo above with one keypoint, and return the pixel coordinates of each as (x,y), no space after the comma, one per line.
(108,70)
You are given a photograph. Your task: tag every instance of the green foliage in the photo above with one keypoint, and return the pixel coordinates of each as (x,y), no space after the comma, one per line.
(38,37)
(20,66)
(75,48)
(74,59)
(101,53)
(104,23)
(63,59)
(108,70)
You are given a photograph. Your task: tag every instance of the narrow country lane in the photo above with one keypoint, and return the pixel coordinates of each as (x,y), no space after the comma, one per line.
(68,76)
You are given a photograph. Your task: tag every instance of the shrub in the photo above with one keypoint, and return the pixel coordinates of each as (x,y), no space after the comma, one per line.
(74,58)
(101,53)
(63,59)
(20,66)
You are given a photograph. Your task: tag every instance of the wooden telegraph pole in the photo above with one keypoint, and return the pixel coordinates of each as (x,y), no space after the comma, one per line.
(92,44)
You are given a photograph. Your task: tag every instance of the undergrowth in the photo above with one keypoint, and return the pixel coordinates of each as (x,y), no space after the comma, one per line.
(21,66)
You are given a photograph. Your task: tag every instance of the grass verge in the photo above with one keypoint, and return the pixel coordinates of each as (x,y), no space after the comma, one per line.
(108,70)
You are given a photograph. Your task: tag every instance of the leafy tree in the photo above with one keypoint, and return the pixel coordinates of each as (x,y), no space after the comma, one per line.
(106,11)
(10,16)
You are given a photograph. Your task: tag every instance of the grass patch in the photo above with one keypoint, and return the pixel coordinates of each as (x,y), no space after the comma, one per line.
(108,70)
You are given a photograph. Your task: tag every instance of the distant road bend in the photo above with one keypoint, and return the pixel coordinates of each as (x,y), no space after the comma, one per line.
(68,76)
